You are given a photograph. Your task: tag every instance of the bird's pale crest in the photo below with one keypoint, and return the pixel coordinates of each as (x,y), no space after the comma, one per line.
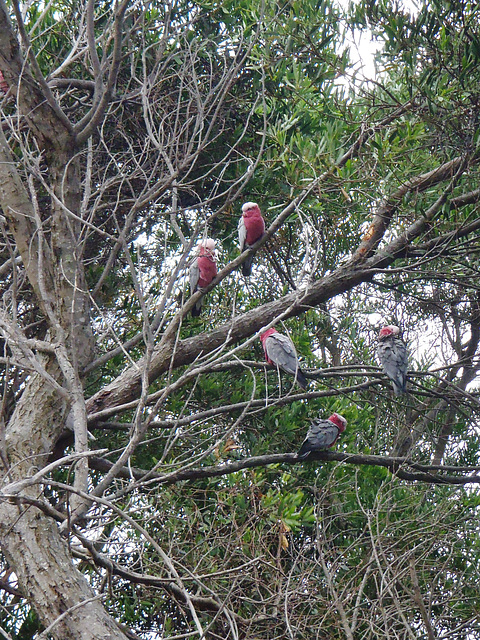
(249,205)
(207,243)
(390,330)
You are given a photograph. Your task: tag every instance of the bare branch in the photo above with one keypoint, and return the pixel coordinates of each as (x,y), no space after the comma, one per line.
(396,465)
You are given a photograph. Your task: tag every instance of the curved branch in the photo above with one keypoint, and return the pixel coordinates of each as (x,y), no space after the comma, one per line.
(345,278)
(396,465)
(93,118)
(36,69)
(201,603)
(359,268)
(18,208)
(381,221)
(47,122)
(76,83)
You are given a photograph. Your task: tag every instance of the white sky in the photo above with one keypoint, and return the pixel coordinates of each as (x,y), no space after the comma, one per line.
(363,48)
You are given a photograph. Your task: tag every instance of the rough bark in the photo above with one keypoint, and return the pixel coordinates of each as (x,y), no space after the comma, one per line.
(60,594)
(18,210)
(45,571)
(45,119)
(30,540)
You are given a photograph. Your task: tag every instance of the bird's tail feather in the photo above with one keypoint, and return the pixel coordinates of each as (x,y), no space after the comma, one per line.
(247,266)
(301,379)
(303,451)
(197,309)
(399,389)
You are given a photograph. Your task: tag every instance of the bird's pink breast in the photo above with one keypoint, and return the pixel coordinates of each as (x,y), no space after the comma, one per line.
(263,338)
(255,227)
(208,270)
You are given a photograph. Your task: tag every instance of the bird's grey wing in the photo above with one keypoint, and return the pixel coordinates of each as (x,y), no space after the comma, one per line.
(394,359)
(242,234)
(401,353)
(322,434)
(387,357)
(193,276)
(401,358)
(280,349)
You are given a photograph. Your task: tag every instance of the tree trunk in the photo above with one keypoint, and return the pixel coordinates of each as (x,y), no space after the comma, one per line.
(31,540)
(50,245)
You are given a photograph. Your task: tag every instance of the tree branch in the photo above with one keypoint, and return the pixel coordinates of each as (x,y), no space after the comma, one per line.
(396,465)
(50,128)
(93,118)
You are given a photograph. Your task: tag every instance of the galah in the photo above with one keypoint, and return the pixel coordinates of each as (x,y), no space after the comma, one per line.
(280,352)
(392,353)
(202,271)
(251,228)
(322,434)
(3,84)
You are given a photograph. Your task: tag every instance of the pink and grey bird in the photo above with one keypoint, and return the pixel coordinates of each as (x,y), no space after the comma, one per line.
(3,84)
(322,434)
(202,271)
(392,354)
(280,352)
(251,228)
